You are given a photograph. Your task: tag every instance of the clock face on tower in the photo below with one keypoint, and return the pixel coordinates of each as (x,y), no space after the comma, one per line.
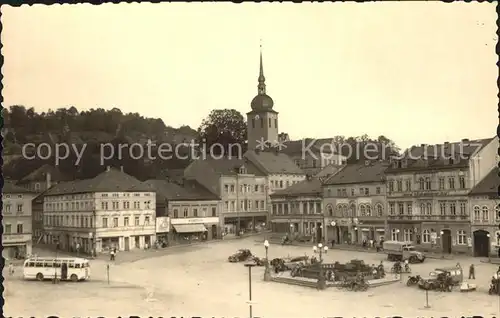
(257,117)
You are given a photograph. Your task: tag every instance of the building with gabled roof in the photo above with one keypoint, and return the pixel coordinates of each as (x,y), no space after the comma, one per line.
(17,223)
(298,209)
(310,153)
(355,203)
(111,210)
(484,204)
(185,211)
(43,178)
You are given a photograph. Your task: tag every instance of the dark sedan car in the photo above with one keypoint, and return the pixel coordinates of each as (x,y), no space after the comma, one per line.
(240,256)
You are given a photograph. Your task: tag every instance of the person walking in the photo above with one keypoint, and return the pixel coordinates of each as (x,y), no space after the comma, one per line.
(112,255)
(11,269)
(472,274)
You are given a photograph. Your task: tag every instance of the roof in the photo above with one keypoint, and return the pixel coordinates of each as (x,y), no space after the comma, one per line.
(308,187)
(111,180)
(314,145)
(273,162)
(170,191)
(10,187)
(489,185)
(359,173)
(40,174)
(437,157)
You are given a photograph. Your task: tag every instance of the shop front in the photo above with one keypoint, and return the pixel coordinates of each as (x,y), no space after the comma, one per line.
(370,230)
(16,246)
(338,229)
(187,230)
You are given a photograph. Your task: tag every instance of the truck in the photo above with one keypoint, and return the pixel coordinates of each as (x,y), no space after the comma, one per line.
(401,251)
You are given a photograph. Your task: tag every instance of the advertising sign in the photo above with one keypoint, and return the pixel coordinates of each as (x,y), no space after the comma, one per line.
(162,224)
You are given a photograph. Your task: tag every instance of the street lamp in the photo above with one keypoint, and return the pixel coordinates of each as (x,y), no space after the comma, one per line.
(489,254)
(397,234)
(267,272)
(320,249)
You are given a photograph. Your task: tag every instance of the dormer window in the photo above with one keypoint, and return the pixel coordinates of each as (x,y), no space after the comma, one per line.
(242,170)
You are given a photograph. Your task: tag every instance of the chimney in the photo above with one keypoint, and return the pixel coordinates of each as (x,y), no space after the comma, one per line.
(446,142)
(423,145)
(48,180)
(108,168)
(465,140)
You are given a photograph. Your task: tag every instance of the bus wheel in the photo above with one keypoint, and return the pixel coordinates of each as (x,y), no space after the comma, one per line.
(74,278)
(39,276)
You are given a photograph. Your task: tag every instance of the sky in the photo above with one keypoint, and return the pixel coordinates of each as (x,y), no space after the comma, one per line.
(417,72)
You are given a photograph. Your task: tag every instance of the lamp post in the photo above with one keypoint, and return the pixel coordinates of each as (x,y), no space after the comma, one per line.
(267,271)
(320,249)
(489,254)
(250,265)
(441,237)
(397,234)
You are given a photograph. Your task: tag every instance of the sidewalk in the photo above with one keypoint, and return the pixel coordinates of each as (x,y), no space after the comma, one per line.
(356,248)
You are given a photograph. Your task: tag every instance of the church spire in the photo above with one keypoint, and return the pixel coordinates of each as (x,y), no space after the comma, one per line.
(261,88)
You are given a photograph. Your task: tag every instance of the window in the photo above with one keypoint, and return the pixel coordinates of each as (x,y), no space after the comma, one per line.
(463,208)
(232,188)
(407,235)
(269,122)
(253,122)
(261,122)
(276,123)
(485,213)
(186,212)
(392,208)
(461,181)
(7,229)
(400,185)
(7,208)
(408,185)
(394,234)
(391,186)
(368,210)
(428,184)
(377,190)
(195,212)
(329,208)
(345,212)
(214,211)
(115,222)
(409,208)
(367,191)
(497,212)
(19,228)
(281,183)
(104,222)
(451,182)
(176,213)
(19,208)
(362,210)
(226,205)
(318,207)
(275,209)
(226,188)
(461,237)
(379,210)
(126,221)
(477,213)
(146,220)
(136,221)
(426,236)
(421,184)
(441,183)
(442,208)
(401,208)
(453,208)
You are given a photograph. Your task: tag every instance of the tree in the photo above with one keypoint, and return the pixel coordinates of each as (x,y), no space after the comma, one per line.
(225,127)
(361,148)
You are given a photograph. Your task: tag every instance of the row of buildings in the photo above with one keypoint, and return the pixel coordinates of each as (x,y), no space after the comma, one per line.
(437,196)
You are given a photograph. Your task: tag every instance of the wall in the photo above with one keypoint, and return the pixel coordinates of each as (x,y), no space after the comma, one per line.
(261,131)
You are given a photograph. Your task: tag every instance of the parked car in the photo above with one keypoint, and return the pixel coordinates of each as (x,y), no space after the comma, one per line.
(240,256)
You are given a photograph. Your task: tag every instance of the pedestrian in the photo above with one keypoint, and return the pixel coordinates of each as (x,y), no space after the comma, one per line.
(371,243)
(333,243)
(112,254)
(11,269)
(77,249)
(472,274)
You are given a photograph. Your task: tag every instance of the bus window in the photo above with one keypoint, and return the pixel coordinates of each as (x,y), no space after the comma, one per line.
(87,264)
(57,264)
(30,264)
(47,264)
(71,265)
(77,265)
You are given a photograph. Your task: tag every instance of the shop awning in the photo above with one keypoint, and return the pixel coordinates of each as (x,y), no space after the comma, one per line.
(190,228)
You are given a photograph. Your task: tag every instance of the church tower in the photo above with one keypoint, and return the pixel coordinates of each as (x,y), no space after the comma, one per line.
(262,121)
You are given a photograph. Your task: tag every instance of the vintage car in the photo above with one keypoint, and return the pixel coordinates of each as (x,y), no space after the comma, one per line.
(442,279)
(467,287)
(240,256)
(288,263)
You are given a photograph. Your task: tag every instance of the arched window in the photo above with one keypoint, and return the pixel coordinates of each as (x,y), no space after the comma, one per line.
(497,212)
(345,212)
(427,183)
(329,208)
(461,237)
(485,213)
(362,210)
(394,234)
(339,209)
(422,209)
(368,210)
(352,211)
(477,213)
(429,208)
(426,236)
(380,210)
(421,183)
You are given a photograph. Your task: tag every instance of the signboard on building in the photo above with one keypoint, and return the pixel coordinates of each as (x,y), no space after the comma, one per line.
(195,220)
(162,224)
(16,238)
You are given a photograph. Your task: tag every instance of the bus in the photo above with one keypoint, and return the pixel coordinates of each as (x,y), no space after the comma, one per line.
(64,268)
